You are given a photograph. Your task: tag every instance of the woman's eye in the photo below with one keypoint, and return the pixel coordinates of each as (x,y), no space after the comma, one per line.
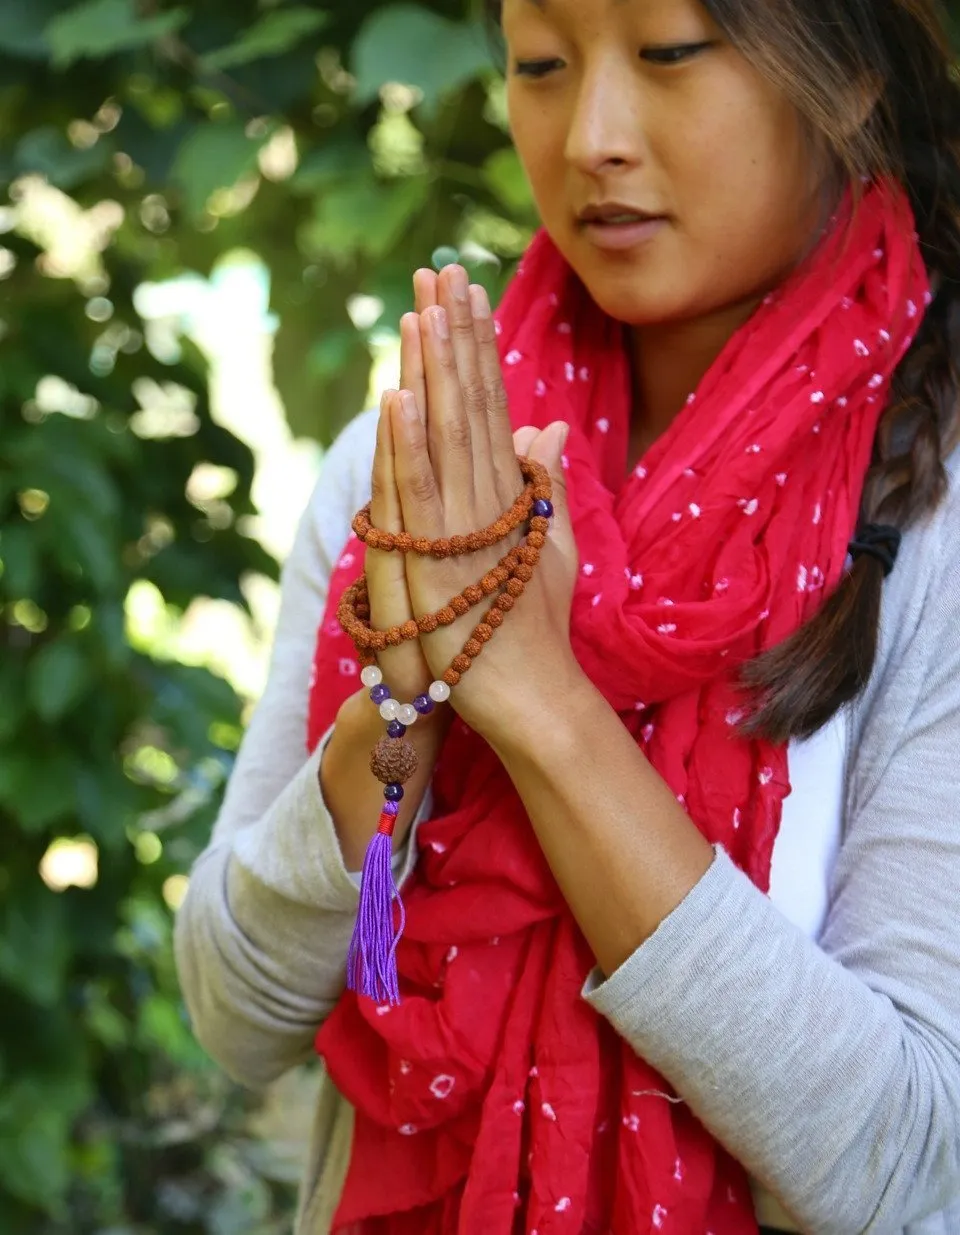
(536,68)
(674,54)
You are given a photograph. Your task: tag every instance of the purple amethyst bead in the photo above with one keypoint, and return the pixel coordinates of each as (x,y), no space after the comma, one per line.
(424,704)
(393,793)
(391,808)
(395,729)
(379,694)
(542,508)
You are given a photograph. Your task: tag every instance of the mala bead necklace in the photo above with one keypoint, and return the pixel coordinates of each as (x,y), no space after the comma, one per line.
(371,962)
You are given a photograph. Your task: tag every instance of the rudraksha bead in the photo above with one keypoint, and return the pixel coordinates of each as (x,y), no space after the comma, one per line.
(393,761)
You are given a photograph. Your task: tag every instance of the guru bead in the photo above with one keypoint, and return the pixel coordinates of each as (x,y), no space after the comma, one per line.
(542,508)
(393,762)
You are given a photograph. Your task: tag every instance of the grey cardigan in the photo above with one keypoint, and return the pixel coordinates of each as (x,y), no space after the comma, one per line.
(830,1069)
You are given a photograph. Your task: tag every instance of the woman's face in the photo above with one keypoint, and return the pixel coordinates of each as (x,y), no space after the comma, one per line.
(643,103)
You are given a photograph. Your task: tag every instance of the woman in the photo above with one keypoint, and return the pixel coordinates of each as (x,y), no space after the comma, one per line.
(681,884)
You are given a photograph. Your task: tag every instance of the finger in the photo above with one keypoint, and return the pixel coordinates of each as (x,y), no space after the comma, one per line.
(454,293)
(448,429)
(417,486)
(385,511)
(524,438)
(547,448)
(499,429)
(424,289)
(411,362)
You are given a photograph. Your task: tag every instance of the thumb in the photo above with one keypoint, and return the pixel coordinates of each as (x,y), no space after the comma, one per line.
(547,448)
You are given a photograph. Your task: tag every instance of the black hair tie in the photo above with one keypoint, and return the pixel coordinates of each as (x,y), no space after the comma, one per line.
(877,540)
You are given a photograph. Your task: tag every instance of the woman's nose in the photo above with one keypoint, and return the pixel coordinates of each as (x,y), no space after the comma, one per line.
(606,125)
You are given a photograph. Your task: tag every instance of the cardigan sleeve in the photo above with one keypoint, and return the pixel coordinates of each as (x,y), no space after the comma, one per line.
(831,1070)
(262,936)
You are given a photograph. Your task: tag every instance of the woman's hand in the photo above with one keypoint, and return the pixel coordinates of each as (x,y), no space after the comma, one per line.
(404,668)
(456,471)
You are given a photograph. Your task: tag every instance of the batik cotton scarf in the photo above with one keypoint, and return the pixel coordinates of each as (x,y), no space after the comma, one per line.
(494,1100)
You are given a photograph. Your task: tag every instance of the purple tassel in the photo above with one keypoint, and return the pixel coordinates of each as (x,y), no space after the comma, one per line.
(372,959)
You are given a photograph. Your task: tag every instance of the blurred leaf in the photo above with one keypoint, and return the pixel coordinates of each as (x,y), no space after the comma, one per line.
(36,1115)
(22,24)
(332,161)
(34,945)
(99,28)
(409,44)
(365,215)
(48,153)
(88,543)
(506,177)
(275,33)
(105,1023)
(36,789)
(59,675)
(20,547)
(213,156)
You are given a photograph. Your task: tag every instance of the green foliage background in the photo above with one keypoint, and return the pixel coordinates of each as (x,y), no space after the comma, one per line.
(345,145)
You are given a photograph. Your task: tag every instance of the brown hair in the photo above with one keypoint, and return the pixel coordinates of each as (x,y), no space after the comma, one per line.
(827,56)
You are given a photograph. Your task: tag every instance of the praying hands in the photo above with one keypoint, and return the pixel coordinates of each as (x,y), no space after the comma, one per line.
(446,465)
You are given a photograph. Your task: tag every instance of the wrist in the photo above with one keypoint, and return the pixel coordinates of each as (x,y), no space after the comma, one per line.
(551,713)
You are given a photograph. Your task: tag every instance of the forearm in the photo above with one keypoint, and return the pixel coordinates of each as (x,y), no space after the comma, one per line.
(623,851)
(262,936)
(352,794)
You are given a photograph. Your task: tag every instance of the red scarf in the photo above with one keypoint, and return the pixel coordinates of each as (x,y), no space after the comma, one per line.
(493,1100)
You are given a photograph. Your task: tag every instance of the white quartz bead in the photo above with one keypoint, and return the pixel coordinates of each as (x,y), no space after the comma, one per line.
(371,676)
(389,709)
(408,714)
(439,692)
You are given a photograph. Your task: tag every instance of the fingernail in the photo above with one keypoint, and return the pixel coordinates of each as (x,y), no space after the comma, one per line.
(479,301)
(438,320)
(408,407)
(458,282)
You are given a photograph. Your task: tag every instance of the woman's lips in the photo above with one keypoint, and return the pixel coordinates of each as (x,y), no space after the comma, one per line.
(619,236)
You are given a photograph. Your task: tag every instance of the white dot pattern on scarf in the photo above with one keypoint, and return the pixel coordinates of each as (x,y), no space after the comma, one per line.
(442,1086)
